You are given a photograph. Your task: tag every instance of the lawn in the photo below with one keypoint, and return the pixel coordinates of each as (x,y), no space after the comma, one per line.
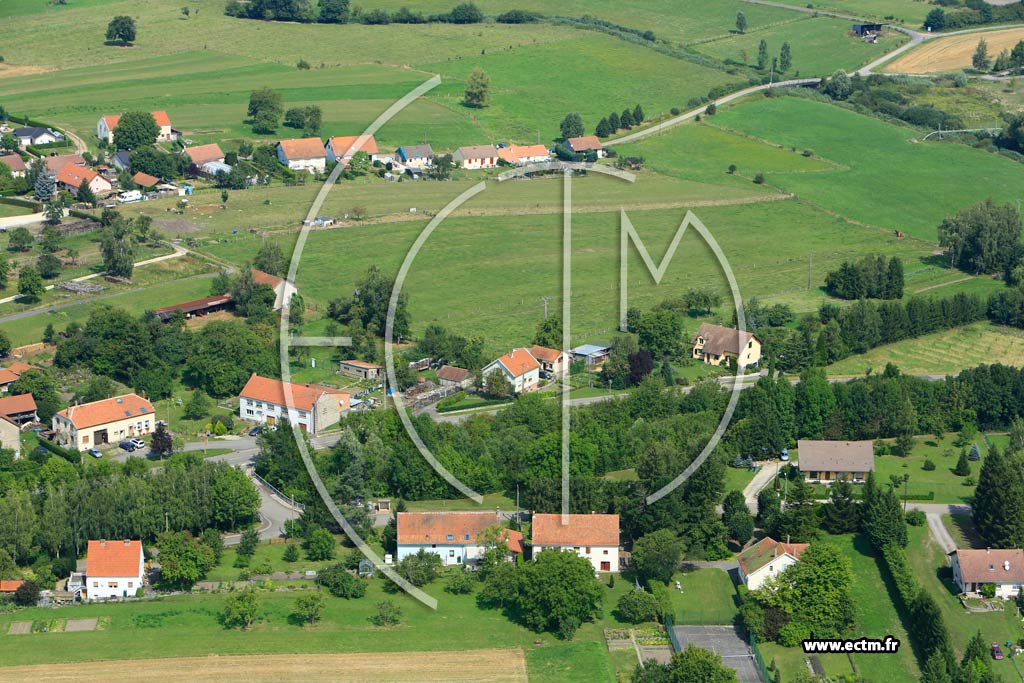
(707,596)
(266,554)
(491,501)
(963,531)
(737,478)
(8,210)
(941,353)
(910,12)
(919,186)
(947,487)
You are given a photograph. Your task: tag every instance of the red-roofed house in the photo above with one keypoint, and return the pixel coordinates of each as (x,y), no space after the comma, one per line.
(12,372)
(360,369)
(586,143)
(19,409)
(204,154)
(9,586)
(145,180)
(344,147)
(303,154)
(107,421)
(767,558)
(283,290)
(551,361)
(525,154)
(452,536)
(113,569)
(313,407)
(55,163)
(72,176)
(106,125)
(520,368)
(15,163)
(451,376)
(593,537)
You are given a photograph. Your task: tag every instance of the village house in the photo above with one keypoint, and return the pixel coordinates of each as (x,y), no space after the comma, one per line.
(972,569)
(313,407)
(361,369)
(8,586)
(520,155)
(828,461)
(715,345)
(586,143)
(476,157)
(451,376)
(283,290)
(204,154)
(343,148)
(452,536)
(552,361)
(121,160)
(303,154)
(113,569)
(197,308)
(145,181)
(416,156)
(12,372)
(520,368)
(54,164)
(15,163)
(767,558)
(592,537)
(72,176)
(10,436)
(19,408)
(107,124)
(35,135)
(108,421)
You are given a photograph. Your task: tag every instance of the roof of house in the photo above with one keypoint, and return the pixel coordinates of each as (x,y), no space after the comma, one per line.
(602,530)
(144,179)
(989,566)
(74,175)
(113,558)
(303,148)
(106,411)
(21,368)
(304,396)
(56,163)
(122,159)
(836,456)
(33,132)
(201,154)
(519,362)
(15,370)
(416,151)
(591,350)
(514,153)
(451,528)
(262,278)
(111,120)
(362,364)
(477,152)
(545,354)
(346,145)
(161,118)
(719,340)
(451,373)
(20,403)
(14,162)
(9,586)
(766,550)
(582,144)
(196,305)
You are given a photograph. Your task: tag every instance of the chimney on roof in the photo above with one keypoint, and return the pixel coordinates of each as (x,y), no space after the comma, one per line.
(1006,566)
(988,551)
(103,543)
(127,542)
(143,393)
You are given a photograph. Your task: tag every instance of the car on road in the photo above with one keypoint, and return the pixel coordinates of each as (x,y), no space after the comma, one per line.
(94,453)
(138,443)
(997,652)
(256,431)
(126,446)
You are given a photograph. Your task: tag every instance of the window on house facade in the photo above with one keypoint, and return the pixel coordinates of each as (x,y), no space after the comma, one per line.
(112,584)
(95,584)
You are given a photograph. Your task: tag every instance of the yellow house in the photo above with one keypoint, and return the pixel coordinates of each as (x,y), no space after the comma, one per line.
(108,421)
(715,345)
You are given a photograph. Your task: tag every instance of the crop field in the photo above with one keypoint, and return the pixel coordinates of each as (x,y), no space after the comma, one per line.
(952,53)
(891,179)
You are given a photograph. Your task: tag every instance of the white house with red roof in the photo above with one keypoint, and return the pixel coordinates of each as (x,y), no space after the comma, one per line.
(520,368)
(766,559)
(303,154)
(311,406)
(520,155)
(113,569)
(593,537)
(343,147)
(205,154)
(107,124)
(72,177)
(452,536)
(108,421)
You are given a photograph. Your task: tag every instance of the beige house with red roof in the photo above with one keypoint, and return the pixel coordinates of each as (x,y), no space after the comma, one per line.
(452,536)
(766,559)
(519,155)
(107,124)
(715,345)
(204,154)
(72,176)
(313,407)
(12,372)
(361,369)
(344,147)
(114,569)
(15,163)
(972,569)
(303,154)
(520,368)
(551,361)
(476,157)
(108,421)
(592,537)
(283,289)
(586,143)
(10,434)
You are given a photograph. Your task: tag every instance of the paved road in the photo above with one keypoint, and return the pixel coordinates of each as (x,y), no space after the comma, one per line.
(764,475)
(934,512)
(9,222)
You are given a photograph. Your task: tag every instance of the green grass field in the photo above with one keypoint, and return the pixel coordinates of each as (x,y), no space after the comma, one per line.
(947,487)
(8,210)
(708,596)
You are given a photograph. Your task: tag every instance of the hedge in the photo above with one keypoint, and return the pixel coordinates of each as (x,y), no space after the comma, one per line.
(475,404)
(71,456)
(662,594)
(18,201)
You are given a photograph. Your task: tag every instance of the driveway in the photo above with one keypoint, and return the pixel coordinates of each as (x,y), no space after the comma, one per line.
(934,512)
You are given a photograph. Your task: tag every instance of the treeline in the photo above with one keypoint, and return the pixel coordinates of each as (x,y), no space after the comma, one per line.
(870,278)
(50,507)
(971,13)
(339,12)
(884,97)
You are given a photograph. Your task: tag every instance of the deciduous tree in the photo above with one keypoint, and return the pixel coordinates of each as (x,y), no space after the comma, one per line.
(121,28)
(478,89)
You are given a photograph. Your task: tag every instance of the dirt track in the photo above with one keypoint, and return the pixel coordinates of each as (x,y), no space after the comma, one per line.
(487,666)
(953,53)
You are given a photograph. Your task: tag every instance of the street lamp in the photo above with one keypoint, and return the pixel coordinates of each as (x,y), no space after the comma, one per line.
(906,478)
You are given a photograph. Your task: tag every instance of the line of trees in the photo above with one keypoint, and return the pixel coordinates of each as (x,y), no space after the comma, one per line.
(340,12)
(873,277)
(612,123)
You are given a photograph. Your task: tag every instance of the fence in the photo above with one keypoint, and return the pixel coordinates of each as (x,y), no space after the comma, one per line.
(758,659)
(287,499)
(672,637)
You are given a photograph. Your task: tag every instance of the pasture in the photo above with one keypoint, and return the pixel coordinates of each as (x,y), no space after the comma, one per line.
(952,53)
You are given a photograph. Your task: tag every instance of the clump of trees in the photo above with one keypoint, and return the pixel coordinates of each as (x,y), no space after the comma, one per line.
(265,110)
(983,238)
(340,12)
(872,277)
(614,122)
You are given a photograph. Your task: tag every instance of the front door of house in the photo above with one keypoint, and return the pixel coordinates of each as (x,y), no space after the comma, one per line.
(606,566)
(271,420)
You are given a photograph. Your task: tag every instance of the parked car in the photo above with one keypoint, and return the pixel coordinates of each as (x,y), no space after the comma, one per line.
(138,443)
(94,453)
(997,652)
(256,431)
(785,455)
(126,446)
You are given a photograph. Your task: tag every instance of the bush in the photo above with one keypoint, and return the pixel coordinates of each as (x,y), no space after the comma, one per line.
(916,518)
(663,597)
(458,583)
(759,179)
(340,582)
(638,606)
(988,590)
(388,614)
(928,465)
(675,111)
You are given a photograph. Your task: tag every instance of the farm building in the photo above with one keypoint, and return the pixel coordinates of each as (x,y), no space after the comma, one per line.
(197,308)
(827,461)
(416,156)
(864,29)
(19,408)
(283,289)
(144,180)
(303,154)
(108,421)
(360,369)
(476,157)
(551,361)
(451,376)
(8,586)
(972,569)
(313,407)
(107,124)
(72,176)
(15,163)
(586,143)
(767,558)
(715,345)
(344,147)
(113,569)
(519,155)
(520,368)
(593,355)
(204,154)
(593,537)
(35,135)
(452,536)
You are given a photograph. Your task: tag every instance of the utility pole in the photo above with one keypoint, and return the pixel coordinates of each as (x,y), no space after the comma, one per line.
(810,264)
(545,299)
(906,478)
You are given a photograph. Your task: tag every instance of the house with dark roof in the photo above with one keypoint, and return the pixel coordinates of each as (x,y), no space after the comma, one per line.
(972,569)
(586,143)
(108,421)
(311,406)
(520,368)
(360,369)
(416,156)
(113,569)
(35,135)
(828,461)
(766,559)
(475,157)
(455,537)
(343,147)
(717,345)
(451,376)
(303,154)
(593,537)
(15,163)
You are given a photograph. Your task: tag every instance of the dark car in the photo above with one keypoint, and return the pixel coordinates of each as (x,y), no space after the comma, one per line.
(997,652)
(256,431)
(127,446)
